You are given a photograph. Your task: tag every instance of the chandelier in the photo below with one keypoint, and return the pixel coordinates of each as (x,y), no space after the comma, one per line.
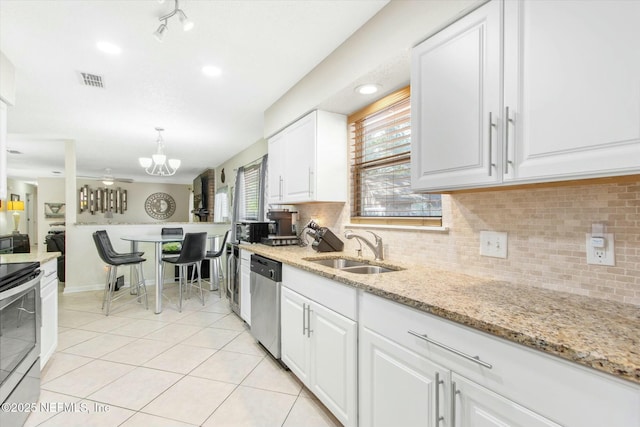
(158,164)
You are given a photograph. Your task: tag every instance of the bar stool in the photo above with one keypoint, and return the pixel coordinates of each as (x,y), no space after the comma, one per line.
(215,262)
(172,231)
(192,253)
(102,242)
(104,237)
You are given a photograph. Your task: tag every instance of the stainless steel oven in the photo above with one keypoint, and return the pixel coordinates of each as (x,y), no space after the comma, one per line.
(20,322)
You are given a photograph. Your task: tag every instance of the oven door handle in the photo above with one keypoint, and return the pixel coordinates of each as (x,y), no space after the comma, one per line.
(21,288)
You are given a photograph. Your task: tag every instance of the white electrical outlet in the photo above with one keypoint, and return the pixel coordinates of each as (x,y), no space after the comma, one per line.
(493,244)
(601,249)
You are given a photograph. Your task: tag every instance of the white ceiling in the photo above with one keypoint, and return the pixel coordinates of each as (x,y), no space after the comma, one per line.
(263,48)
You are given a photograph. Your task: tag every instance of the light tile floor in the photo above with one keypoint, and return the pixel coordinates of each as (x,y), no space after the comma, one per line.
(134,368)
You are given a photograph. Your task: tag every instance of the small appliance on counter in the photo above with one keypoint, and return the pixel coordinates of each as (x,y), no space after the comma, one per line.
(324,239)
(283,228)
(251,231)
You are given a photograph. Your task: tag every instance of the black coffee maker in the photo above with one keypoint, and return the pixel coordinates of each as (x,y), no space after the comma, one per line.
(324,240)
(282,231)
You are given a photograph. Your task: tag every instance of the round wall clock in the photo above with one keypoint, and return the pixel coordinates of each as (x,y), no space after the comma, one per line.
(160,206)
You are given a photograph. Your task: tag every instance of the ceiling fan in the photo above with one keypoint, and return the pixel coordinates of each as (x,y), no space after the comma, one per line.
(108,178)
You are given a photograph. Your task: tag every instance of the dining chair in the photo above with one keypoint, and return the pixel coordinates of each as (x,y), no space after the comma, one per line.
(215,262)
(194,247)
(104,237)
(172,248)
(113,261)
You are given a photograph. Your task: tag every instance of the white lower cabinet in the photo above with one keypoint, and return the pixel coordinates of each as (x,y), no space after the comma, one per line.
(397,386)
(466,378)
(245,285)
(319,345)
(49,306)
(476,406)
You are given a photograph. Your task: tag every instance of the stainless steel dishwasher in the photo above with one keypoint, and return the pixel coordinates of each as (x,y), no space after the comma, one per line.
(266,278)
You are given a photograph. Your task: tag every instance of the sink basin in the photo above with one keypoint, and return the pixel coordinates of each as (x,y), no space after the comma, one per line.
(339,262)
(367,269)
(352,266)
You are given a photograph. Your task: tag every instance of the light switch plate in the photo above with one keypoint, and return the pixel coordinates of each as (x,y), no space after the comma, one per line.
(493,244)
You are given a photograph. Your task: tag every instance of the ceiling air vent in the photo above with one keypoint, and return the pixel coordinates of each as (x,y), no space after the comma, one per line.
(92,80)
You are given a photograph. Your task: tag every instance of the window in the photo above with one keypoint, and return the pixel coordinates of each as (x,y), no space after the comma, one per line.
(250,191)
(381,166)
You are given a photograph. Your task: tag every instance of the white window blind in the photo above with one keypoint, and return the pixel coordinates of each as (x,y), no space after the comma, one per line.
(251,192)
(381,167)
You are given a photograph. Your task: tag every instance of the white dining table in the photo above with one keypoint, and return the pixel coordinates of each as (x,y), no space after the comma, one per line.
(158,240)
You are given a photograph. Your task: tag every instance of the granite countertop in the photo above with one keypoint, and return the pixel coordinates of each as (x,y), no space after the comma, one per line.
(600,334)
(34,256)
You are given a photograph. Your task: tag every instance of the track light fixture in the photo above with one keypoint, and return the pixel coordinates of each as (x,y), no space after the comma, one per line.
(187,24)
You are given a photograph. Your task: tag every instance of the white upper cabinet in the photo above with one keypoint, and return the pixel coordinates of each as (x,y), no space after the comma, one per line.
(572,87)
(308,160)
(562,101)
(455,93)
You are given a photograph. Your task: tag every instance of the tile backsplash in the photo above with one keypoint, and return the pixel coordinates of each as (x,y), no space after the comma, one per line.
(546,236)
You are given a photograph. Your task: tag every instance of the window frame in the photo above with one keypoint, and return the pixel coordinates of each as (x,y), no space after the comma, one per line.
(354,184)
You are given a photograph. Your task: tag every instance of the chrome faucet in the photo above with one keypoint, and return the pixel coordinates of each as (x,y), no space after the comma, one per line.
(378,252)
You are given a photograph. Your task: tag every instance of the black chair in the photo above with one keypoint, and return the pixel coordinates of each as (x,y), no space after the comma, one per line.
(172,248)
(102,242)
(55,243)
(104,237)
(215,263)
(192,253)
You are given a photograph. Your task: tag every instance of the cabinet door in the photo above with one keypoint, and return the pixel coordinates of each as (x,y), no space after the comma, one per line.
(276,150)
(245,285)
(300,158)
(455,104)
(49,307)
(295,343)
(477,406)
(333,362)
(245,293)
(572,88)
(399,387)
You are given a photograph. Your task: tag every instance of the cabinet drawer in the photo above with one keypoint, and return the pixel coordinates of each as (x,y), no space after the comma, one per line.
(333,295)
(560,390)
(50,269)
(245,256)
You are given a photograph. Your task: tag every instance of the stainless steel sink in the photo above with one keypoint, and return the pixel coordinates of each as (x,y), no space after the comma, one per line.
(339,263)
(352,266)
(367,269)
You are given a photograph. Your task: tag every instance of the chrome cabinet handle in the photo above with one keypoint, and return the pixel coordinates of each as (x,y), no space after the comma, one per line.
(508,120)
(309,321)
(491,126)
(438,382)
(280,189)
(454,393)
(304,328)
(475,359)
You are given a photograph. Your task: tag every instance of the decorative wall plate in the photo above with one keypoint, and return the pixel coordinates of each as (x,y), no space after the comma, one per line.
(160,206)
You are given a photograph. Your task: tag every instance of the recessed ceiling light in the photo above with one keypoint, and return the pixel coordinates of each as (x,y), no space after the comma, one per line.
(109,48)
(368,89)
(211,71)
